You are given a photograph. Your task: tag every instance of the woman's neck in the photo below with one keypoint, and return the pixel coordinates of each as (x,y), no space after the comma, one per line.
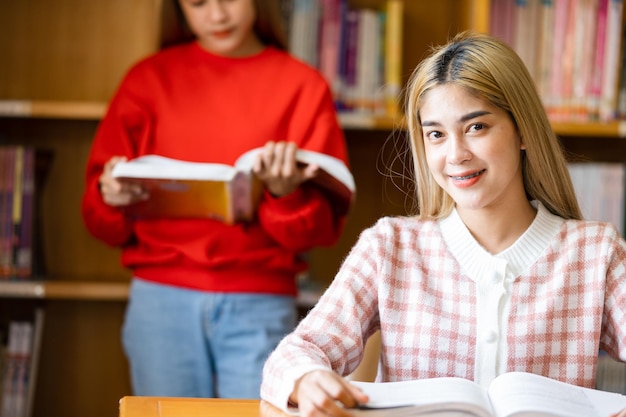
(497,229)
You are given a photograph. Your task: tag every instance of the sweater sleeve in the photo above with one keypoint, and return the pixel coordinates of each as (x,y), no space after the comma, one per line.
(614,321)
(333,334)
(123,131)
(305,218)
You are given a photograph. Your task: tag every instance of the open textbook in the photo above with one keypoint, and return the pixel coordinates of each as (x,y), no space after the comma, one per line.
(513,394)
(231,194)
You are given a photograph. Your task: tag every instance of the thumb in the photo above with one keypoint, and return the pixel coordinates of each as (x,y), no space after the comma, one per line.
(310,171)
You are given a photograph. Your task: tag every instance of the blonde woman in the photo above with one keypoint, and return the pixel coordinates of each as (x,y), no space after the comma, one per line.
(496,272)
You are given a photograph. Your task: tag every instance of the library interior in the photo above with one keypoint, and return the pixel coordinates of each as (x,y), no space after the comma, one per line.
(63,293)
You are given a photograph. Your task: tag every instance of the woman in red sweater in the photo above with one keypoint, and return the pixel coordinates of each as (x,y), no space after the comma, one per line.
(209,301)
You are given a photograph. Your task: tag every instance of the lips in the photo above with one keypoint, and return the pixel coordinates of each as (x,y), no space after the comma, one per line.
(467,177)
(222,34)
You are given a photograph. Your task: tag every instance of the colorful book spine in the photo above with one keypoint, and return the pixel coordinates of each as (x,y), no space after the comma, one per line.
(6,236)
(393,55)
(555,100)
(17,187)
(350,65)
(17,371)
(612,57)
(4,241)
(24,258)
(585,32)
(595,86)
(329,46)
(526,31)
(546,49)
(368,60)
(16,209)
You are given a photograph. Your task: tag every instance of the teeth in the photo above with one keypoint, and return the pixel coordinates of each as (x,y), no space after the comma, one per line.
(467,177)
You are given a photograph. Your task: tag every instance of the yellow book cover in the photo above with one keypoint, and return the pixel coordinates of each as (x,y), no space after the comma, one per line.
(184,189)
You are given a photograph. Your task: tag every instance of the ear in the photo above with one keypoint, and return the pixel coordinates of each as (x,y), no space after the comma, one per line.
(522,145)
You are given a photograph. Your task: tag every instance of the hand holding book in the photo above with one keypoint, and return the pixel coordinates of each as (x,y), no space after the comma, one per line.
(116,193)
(277,167)
(180,189)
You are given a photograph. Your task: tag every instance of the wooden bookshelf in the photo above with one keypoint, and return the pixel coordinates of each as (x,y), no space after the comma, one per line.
(94,111)
(65,290)
(70,110)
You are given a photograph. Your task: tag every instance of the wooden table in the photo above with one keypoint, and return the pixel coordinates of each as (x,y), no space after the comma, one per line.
(133,406)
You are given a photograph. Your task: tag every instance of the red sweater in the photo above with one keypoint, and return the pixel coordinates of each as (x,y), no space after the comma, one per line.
(186,103)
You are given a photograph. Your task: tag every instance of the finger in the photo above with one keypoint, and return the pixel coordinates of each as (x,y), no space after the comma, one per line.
(268,156)
(319,403)
(108,166)
(310,171)
(357,394)
(336,393)
(279,157)
(257,166)
(132,189)
(289,162)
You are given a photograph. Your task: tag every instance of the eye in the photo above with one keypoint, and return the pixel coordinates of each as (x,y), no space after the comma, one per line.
(476,127)
(433,135)
(197,3)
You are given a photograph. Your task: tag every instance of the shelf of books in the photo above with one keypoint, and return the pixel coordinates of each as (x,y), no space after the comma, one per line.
(574,51)
(19,362)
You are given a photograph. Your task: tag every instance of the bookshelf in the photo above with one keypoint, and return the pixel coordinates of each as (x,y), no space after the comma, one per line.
(61,63)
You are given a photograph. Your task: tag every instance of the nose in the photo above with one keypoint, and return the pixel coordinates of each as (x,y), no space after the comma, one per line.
(458,151)
(216,10)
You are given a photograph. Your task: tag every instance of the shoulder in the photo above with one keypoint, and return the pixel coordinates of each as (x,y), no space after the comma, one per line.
(595,236)
(590,227)
(162,61)
(398,230)
(288,63)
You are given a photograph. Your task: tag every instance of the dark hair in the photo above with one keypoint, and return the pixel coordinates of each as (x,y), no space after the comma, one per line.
(268,26)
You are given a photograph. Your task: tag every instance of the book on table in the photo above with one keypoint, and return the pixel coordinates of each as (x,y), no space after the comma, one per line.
(184,189)
(510,394)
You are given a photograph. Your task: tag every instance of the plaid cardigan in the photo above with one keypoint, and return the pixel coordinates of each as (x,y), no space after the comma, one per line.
(447,307)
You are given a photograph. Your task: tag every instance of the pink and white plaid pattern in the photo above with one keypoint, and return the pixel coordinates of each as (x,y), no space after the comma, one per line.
(401,278)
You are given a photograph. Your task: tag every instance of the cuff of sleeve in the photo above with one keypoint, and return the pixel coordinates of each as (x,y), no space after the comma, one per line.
(289,382)
(287,203)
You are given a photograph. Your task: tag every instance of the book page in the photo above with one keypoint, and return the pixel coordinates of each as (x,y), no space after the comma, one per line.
(160,167)
(525,394)
(333,166)
(334,177)
(440,396)
(606,403)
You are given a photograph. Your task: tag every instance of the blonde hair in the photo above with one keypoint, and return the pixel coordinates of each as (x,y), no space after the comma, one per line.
(490,69)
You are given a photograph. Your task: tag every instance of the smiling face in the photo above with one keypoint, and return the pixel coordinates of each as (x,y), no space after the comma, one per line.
(223,27)
(472,148)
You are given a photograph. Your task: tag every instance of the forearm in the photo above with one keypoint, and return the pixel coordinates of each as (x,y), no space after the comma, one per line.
(302,220)
(104,222)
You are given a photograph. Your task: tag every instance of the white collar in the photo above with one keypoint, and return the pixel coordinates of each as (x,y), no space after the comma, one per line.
(476,262)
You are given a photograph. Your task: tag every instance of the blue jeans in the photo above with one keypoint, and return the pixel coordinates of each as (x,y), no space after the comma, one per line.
(186,343)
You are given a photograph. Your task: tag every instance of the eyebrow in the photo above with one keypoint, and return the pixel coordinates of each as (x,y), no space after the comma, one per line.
(464,118)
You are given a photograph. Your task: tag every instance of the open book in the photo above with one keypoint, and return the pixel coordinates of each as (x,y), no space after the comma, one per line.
(511,394)
(179,188)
